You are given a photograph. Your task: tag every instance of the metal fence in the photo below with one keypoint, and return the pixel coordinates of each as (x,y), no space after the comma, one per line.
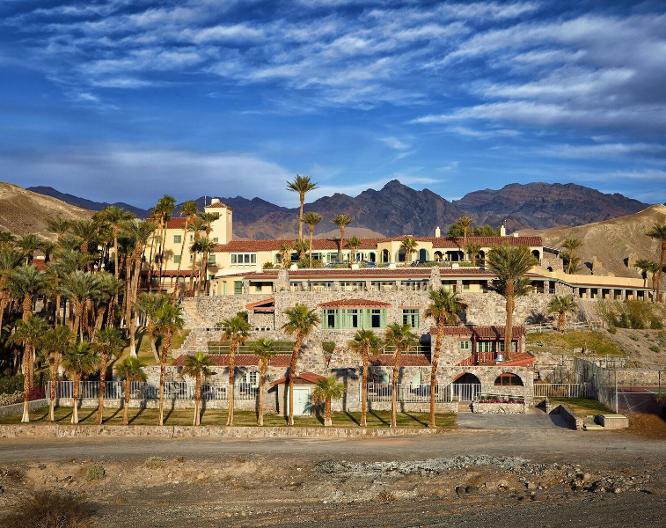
(564,390)
(381,392)
(173,390)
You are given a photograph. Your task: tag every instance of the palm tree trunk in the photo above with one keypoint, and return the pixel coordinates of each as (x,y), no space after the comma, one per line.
(197,400)
(662,257)
(231,383)
(75,398)
(328,421)
(311,240)
(508,328)
(3,304)
(293,365)
(162,376)
(561,321)
(128,384)
(300,216)
(432,422)
(27,383)
(26,307)
(260,394)
(394,389)
(102,389)
(364,391)
(291,400)
(52,392)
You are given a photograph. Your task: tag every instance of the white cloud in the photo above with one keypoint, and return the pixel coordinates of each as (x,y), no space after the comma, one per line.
(395,143)
(606,150)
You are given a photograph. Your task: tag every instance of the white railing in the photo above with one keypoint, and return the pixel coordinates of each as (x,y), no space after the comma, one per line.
(173,390)
(381,392)
(564,390)
(551,327)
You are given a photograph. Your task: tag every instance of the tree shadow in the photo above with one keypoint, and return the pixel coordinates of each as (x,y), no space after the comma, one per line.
(115,413)
(139,413)
(378,417)
(351,417)
(415,418)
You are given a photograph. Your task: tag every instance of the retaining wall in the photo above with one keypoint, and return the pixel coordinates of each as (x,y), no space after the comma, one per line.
(17,408)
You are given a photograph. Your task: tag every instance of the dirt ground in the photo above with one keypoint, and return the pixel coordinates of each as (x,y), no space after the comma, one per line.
(519,476)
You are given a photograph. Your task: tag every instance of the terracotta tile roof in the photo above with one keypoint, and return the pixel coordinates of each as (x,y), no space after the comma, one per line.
(263,306)
(406,360)
(480,332)
(301,379)
(242,360)
(483,241)
(274,245)
(176,273)
(354,303)
(218,205)
(176,222)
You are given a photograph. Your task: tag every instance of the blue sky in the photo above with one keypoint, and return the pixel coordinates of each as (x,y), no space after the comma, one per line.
(129,99)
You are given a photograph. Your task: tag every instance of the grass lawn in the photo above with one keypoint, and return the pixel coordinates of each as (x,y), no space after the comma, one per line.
(582,406)
(219,416)
(565,342)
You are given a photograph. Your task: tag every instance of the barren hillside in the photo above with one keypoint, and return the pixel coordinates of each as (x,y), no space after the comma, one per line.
(23,212)
(611,246)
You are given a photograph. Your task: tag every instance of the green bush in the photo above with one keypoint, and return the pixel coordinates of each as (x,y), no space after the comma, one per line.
(96,472)
(48,509)
(11,384)
(655,348)
(155,462)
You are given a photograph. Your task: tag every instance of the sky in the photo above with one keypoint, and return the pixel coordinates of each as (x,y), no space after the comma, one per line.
(131,99)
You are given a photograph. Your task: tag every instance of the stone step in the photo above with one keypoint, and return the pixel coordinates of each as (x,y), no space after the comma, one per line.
(593,427)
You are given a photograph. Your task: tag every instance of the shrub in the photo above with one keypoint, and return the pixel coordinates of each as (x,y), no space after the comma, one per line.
(155,462)
(655,348)
(268,265)
(96,473)
(656,324)
(11,384)
(50,509)
(612,329)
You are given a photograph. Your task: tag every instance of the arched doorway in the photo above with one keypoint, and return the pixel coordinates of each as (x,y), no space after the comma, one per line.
(372,257)
(423,255)
(385,256)
(438,256)
(537,255)
(508,379)
(466,387)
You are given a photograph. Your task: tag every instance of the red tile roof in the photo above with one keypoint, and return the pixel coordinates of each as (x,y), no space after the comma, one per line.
(263,306)
(218,205)
(176,222)
(406,360)
(483,241)
(242,360)
(354,303)
(181,273)
(522,359)
(480,332)
(301,379)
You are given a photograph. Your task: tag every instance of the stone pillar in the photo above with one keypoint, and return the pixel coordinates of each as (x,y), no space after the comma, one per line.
(459,286)
(246,286)
(282,281)
(435,278)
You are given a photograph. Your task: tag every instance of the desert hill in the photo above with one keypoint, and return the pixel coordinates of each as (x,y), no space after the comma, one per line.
(611,246)
(23,211)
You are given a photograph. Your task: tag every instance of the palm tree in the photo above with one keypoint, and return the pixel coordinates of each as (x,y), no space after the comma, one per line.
(107,289)
(571,245)
(353,244)
(115,218)
(301,185)
(365,344)
(28,244)
(465,223)
(408,245)
(312,219)
(129,369)
(285,254)
(443,308)
(197,226)
(25,283)
(79,360)
(55,342)
(108,345)
(301,321)
(562,305)
(29,333)
(79,287)
(10,259)
(189,211)
(235,331)
(168,320)
(645,266)
(58,225)
(265,350)
(658,232)
(400,338)
(326,390)
(472,250)
(149,304)
(510,264)
(342,221)
(87,233)
(301,247)
(162,213)
(197,366)
(205,246)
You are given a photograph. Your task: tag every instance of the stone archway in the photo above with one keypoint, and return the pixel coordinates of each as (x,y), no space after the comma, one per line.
(438,256)
(466,387)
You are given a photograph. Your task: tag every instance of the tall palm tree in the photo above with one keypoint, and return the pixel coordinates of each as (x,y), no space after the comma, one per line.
(510,264)
(58,225)
(79,287)
(197,366)
(443,308)
(301,321)
(401,339)
(54,343)
(408,245)
(562,305)
(645,266)
(108,345)
(312,219)
(325,391)
(658,232)
(25,283)
(472,250)
(168,321)
(115,218)
(341,221)
(235,331)
(189,211)
(30,334)
(10,259)
(301,185)
(28,244)
(301,247)
(149,304)
(162,213)
(87,233)
(129,369)
(365,343)
(205,246)
(197,226)
(465,223)
(353,244)
(285,254)
(571,245)
(107,289)
(264,350)
(79,360)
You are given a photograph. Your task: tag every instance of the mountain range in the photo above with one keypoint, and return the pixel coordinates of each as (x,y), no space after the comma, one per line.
(398,209)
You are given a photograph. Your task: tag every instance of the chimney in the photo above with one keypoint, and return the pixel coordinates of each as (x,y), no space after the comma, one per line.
(503,230)
(438,232)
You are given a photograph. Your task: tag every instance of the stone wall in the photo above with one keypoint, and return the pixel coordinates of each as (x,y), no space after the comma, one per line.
(17,408)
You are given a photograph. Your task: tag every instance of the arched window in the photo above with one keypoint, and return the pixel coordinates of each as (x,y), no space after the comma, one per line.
(508,379)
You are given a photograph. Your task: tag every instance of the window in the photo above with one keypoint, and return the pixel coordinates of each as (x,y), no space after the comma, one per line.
(375,318)
(464,345)
(351,318)
(243,258)
(508,379)
(177,239)
(176,259)
(410,316)
(501,346)
(211,259)
(238,287)
(329,318)
(191,238)
(485,346)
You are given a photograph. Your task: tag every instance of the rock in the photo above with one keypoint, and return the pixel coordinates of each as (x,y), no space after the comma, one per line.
(471,489)
(530,486)
(201,476)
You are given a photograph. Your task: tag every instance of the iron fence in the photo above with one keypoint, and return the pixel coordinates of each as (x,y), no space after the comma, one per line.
(381,392)
(564,390)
